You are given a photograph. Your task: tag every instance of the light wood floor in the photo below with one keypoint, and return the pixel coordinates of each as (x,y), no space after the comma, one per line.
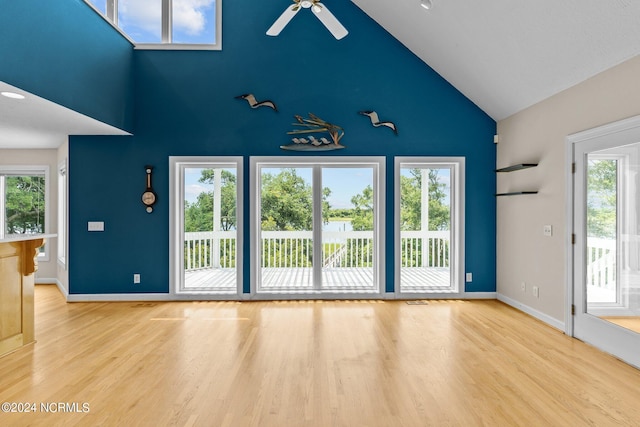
(359,363)
(629,322)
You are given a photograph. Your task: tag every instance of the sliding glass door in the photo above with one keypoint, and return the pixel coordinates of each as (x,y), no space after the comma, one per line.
(318,222)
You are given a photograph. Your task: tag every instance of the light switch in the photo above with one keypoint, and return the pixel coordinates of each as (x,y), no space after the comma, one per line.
(95,226)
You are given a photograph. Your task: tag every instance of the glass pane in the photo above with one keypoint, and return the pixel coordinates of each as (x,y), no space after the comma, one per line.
(613,248)
(194,21)
(101,5)
(141,20)
(286,216)
(210,229)
(25,204)
(425,229)
(348,229)
(601,229)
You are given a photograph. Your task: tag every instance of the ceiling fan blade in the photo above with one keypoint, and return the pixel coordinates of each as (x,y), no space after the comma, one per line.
(283,20)
(329,21)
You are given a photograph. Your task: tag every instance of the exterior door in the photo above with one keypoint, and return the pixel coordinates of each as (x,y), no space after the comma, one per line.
(606,227)
(318,221)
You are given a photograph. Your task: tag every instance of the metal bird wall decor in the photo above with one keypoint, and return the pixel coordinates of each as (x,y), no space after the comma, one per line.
(319,10)
(309,126)
(375,121)
(253,103)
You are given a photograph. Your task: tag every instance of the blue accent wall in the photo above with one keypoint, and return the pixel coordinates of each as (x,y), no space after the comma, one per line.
(185,105)
(65,52)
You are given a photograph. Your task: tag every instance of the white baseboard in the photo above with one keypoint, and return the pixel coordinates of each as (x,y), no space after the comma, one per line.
(173,297)
(532,312)
(117,297)
(479,295)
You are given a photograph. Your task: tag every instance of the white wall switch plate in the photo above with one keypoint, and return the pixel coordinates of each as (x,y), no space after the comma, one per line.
(536,292)
(136,278)
(469,277)
(95,225)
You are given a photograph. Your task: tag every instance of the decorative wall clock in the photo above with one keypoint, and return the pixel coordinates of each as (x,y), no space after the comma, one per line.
(149,197)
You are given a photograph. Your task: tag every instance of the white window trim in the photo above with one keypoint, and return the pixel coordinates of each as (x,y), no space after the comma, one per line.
(379,165)
(176,223)
(30,170)
(457,224)
(166,25)
(63,192)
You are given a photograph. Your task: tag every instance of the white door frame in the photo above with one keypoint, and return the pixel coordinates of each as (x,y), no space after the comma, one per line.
(378,163)
(619,133)
(457,239)
(176,225)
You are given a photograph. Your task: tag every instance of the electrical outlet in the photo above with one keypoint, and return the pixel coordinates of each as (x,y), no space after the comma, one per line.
(547,230)
(136,278)
(523,286)
(469,277)
(95,226)
(536,292)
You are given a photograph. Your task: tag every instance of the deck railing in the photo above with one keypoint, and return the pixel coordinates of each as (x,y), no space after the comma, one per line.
(425,248)
(601,263)
(294,249)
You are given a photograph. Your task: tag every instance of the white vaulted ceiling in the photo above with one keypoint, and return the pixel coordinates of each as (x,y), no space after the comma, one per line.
(506,55)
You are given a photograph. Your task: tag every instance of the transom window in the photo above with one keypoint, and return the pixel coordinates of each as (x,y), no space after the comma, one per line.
(166,24)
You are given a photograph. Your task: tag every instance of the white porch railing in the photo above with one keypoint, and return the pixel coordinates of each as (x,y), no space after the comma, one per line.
(425,248)
(601,263)
(294,249)
(200,249)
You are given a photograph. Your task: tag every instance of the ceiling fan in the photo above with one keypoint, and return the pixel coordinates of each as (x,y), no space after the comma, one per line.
(318,9)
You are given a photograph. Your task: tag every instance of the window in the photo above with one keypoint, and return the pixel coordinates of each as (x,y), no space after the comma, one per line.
(62,213)
(206,221)
(24,201)
(166,24)
(429,230)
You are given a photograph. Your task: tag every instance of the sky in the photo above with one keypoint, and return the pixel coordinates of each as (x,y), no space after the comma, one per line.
(343,182)
(193,20)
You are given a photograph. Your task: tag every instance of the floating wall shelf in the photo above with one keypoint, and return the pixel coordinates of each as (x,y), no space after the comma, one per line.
(517,193)
(517,167)
(514,168)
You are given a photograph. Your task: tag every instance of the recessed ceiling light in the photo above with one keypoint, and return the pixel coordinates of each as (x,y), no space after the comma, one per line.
(12,95)
(426,4)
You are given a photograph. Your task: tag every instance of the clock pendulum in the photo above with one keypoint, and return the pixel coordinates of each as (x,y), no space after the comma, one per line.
(149,196)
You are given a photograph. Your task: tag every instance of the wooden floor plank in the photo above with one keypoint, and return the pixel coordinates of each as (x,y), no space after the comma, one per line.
(311,363)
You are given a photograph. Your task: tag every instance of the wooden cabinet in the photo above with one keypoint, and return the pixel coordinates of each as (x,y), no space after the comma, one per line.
(18,263)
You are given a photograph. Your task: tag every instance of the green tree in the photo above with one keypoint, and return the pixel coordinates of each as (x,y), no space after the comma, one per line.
(198,216)
(25,205)
(411,202)
(287,201)
(362,219)
(602,198)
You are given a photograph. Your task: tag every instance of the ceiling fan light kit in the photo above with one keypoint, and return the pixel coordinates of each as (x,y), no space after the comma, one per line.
(426,4)
(319,10)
